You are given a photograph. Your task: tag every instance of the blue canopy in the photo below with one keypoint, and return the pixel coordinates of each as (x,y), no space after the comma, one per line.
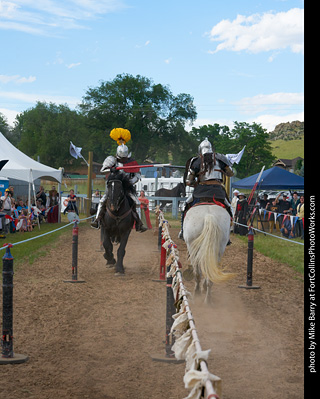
(273,178)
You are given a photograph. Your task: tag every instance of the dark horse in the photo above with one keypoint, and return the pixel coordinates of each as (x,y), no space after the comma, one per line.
(118,220)
(177,191)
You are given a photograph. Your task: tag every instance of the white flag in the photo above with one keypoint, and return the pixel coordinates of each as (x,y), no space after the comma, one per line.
(75,151)
(235,158)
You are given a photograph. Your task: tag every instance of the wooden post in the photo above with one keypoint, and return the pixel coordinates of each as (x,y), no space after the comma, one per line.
(89,184)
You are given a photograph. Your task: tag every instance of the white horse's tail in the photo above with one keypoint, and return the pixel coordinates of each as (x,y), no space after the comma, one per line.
(206,250)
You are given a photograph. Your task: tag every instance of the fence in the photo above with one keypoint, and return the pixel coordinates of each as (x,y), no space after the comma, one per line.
(8,356)
(186,345)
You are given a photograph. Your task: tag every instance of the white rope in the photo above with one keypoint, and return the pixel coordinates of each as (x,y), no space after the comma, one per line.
(186,345)
(41,235)
(269,234)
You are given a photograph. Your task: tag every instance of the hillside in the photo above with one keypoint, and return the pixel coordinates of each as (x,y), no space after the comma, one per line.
(288,131)
(287,140)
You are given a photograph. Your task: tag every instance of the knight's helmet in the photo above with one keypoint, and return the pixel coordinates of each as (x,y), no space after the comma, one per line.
(122,151)
(205,147)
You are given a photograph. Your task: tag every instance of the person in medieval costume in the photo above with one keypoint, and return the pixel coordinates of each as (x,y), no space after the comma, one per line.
(123,158)
(205,173)
(241,215)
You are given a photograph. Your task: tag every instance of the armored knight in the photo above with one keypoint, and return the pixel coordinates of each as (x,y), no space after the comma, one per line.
(123,158)
(205,173)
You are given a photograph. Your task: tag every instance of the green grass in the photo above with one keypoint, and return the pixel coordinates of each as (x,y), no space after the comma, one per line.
(288,149)
(28,252)
(279,250)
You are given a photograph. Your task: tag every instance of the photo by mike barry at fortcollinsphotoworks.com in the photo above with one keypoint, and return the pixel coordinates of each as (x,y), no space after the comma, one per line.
(310,289)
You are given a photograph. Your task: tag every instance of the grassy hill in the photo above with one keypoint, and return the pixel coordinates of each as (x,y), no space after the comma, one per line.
(287,140)
(288,149)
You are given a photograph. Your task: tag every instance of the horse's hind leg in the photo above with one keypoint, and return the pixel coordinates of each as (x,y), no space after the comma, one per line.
(108,247)
(197,288)
(208,298)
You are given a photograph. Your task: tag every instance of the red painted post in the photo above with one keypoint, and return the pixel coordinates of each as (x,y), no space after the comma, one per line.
(163,261)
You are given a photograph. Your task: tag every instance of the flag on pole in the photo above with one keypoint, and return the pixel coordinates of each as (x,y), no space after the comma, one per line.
(75,152)
(235,158)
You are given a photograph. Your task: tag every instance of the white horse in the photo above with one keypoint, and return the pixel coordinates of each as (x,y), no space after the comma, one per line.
(206,230)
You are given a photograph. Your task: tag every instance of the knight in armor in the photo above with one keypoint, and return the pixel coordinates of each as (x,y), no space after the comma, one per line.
(123,158)
(205,173)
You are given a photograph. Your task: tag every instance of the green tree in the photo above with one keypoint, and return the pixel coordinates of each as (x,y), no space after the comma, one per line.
(155,117)
(226,141)
(46,131)
(258,150)
(219,137)
(4,126)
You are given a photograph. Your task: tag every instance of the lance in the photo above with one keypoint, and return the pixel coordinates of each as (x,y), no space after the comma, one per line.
(255,185)
(141,166)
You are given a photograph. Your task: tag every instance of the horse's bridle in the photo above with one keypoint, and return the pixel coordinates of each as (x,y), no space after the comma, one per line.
(112,215)
(111,188)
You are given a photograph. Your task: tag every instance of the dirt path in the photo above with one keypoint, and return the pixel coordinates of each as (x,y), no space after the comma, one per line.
(94,340)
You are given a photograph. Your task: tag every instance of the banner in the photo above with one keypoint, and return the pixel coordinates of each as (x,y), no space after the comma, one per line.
(75,152)
(235,158)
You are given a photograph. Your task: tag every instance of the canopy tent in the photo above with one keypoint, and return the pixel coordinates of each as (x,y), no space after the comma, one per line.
(273,178)
(22,167)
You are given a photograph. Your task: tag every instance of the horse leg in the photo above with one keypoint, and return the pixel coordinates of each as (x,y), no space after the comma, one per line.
(108,247)
(121,253)
(208,298)
(197,288)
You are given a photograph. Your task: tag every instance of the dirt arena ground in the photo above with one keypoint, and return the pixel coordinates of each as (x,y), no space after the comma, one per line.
(95,340)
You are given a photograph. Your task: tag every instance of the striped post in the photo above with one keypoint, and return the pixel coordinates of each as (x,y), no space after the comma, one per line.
(75,234)
(250,262)
(7,354)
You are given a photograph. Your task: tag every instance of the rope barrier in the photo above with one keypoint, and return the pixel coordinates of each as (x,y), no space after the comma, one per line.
(269,234)
(187,345)
(42,235)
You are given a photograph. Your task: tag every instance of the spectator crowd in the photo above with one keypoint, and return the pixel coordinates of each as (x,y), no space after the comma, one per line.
(17,215)
(282,214)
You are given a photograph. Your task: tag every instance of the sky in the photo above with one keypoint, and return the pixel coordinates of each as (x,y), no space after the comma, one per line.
(240,60)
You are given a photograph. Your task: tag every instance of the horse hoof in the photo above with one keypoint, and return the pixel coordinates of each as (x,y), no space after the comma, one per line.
(119,274)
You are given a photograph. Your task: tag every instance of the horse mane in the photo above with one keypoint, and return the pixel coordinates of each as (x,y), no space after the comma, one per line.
(127,186)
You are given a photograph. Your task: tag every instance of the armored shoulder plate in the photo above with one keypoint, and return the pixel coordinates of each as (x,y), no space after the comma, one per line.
(108,163)
(223,158)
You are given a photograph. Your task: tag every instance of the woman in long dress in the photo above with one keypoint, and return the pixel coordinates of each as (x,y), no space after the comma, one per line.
(144,206)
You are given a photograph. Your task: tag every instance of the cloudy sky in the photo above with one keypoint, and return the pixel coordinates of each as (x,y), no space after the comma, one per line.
(241,60)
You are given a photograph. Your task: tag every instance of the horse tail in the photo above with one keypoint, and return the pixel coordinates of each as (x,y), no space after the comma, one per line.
(206,250)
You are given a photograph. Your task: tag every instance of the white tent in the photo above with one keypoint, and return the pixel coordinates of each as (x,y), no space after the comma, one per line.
(22,167)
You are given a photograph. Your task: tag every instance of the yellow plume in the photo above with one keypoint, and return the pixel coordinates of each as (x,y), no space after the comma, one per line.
(121,136)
